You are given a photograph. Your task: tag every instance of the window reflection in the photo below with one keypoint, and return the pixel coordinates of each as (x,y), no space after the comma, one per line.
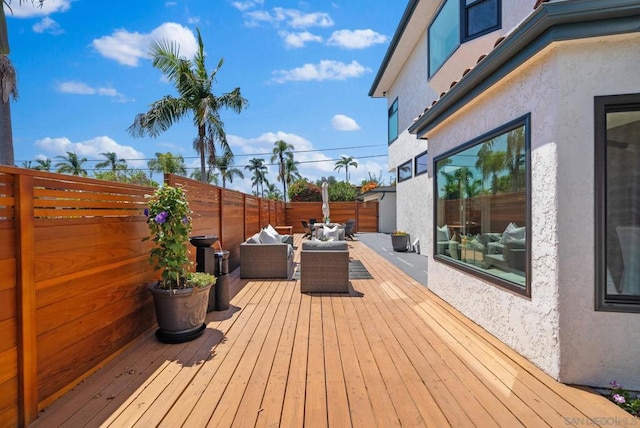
(481,208)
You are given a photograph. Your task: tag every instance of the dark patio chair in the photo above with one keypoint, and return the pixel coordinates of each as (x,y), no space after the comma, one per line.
(307,229)
(348,229)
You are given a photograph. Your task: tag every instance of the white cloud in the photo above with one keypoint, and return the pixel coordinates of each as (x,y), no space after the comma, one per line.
(47,25)
(81,88)
(290,17)
(246,5)
(26,9)
(344,123)
(325,70)
(91,149)
(298,40)
(128,48)
(356,39)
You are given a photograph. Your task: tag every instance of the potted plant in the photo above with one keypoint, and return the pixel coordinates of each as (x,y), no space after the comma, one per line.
(181,296)
(399,240)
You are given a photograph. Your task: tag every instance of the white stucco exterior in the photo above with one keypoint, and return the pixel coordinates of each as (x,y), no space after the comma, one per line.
(558,327)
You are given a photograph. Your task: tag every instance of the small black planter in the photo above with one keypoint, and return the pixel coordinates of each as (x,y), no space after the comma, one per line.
(400,242)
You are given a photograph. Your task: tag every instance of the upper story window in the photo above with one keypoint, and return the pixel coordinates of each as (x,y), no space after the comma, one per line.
(444,34)
(393,121)
(480,17)
(420,161)
(459,21)
(617,155)
(404,171)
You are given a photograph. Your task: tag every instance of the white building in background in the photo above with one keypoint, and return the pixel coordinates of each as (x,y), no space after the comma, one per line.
(514,127)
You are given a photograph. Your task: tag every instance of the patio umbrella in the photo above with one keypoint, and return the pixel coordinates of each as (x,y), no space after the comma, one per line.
(325,201)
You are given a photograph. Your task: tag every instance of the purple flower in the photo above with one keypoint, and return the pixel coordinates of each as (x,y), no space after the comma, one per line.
(146,212)
(615,385)
(619,399)
(162,217)
(185,220)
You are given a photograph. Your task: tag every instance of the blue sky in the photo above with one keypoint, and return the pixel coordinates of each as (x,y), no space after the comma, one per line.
(305,68)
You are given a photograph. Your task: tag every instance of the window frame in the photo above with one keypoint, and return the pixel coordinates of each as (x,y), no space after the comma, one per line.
(391,115)
(433,21)
(494,280)
(408,164)
(464,20)
(602,106)
(417,172)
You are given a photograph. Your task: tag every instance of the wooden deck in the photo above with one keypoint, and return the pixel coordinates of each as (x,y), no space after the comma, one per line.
(390,354)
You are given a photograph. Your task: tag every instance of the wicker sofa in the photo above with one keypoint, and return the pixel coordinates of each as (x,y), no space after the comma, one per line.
(267,255)
(324,267)
(268,261)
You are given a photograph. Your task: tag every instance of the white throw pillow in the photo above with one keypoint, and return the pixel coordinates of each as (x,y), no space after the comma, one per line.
(272,231)
(443,233)
(513,232)
(331,233)
(268,238)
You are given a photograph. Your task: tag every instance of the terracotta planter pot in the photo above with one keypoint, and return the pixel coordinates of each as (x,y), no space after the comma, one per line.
(180,313)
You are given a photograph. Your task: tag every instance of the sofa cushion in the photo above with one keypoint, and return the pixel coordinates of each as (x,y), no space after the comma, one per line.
(317,245)
(271,230)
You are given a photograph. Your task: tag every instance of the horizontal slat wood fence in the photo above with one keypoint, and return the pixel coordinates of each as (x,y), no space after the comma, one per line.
(74,271)
(364,213)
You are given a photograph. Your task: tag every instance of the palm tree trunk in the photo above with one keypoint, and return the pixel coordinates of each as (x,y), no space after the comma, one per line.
(6,134)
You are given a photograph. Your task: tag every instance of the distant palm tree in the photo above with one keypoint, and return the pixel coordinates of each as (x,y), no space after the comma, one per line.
(291,172)
(224,164)
(259,170)
(168,163)
(8,87)
(345,162)
(282,151)
(195,97)
(211,178)
(71,164)
(43,164)
(113,162)
(273,192)
(26,164)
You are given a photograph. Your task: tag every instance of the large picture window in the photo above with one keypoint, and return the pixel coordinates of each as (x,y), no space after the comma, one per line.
(482,206)
(393,121)
(617,155)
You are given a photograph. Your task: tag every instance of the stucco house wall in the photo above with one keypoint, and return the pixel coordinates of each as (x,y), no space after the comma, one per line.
(596,346)
(558,327)
(528,325)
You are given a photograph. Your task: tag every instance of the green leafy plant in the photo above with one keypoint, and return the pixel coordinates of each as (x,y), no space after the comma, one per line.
(623,398)
(168,217)
(399,233)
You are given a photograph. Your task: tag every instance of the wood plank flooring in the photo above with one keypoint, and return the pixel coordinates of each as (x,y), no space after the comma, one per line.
(390,353)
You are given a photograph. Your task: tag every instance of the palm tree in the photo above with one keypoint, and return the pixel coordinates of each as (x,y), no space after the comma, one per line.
(281,152)
(224,164)
(211,177)
(291,172)
(167,163)
(113,162)
(345,162)
(26,164)
(71,164)
(259,170)
(273,192)
(43,164)
(195,97)
(8,88)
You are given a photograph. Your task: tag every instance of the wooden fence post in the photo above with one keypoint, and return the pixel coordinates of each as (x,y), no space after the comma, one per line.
(26,299)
